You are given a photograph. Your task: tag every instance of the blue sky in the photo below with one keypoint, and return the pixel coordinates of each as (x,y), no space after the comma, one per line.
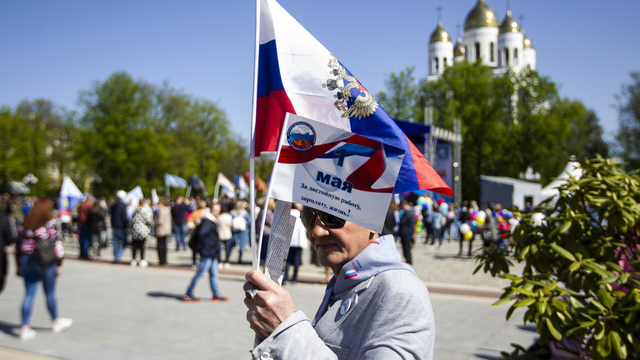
(54,49)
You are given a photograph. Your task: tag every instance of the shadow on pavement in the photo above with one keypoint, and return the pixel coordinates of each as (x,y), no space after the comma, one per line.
(531,328)
(14,329)
(489,357)
(162,294)
(453,256)
(8,328)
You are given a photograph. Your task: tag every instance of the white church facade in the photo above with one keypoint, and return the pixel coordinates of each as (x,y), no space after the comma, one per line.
(501,45)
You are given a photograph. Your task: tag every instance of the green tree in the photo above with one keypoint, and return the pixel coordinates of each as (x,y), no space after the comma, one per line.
(198,134)
(35,140)
(117,139)
(470,92)
(580,281)
(400,98)
(586,140)
(510,122)
(629,121)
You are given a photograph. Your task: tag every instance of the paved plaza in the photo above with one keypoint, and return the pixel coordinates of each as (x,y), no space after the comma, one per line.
(122,312)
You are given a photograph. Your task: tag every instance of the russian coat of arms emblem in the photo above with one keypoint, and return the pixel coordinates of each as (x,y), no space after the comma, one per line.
(353,100)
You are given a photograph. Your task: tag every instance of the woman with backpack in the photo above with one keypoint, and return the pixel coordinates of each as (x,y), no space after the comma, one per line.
(39,257)
(206,241)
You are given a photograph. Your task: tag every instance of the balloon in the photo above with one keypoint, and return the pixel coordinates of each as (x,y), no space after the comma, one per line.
(480,221)
(429,201)
(440,201)
(474,224)
(537,219)
(468,235)
(503,212)
(444,208)
(465,228)
(473,216)
(422,200)
(481,215)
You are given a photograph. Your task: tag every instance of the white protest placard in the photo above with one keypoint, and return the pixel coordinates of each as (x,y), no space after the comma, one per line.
(279,241)
(335,171)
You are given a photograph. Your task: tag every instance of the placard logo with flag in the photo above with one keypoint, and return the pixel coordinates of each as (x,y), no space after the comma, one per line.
(336,171)
(298,75)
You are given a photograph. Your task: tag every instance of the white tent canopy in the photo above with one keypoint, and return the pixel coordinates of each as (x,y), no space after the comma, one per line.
(573,168)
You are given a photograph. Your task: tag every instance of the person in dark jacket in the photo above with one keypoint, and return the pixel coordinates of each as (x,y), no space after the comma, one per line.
(391,221)
(96,222)
(85,226)
(406,229)
(6,239)
(205,241)
(119,224)
(463,219)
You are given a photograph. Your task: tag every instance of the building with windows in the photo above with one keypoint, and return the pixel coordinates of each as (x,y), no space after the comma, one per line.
(501,45)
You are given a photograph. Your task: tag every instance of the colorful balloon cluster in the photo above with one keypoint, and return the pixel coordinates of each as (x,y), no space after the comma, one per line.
(466,231)
(477,218)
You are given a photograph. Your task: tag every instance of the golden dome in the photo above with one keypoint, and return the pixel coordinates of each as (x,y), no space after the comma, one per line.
(439,34)
(482,15)
(459,49)
(508,24)
(527,42)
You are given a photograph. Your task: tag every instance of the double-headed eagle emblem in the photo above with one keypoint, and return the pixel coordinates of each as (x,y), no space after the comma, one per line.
(352,92)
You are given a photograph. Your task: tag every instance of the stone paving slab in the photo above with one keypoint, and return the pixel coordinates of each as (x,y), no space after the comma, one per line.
(441,269)
(121,312)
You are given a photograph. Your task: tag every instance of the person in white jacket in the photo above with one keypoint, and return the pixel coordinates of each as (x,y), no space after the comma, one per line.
(298,243)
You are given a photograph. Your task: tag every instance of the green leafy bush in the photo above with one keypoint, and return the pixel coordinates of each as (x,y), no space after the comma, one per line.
(581,279)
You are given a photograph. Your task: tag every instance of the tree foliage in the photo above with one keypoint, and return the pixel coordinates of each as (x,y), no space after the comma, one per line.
(400,99)
(580,283)
(629,121)
(129,133)
(133,132)
(510,122)
(117,135)
(35,139)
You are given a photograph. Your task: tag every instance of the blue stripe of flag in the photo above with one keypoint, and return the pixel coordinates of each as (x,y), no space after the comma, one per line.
(269,78)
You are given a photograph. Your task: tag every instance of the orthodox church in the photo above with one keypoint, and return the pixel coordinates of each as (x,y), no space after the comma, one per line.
(500,45)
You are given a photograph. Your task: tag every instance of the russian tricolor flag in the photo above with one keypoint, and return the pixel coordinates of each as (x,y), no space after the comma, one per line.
(350,274)
(296,74)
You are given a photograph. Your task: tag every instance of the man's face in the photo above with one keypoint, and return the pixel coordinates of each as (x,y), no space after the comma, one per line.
(215,209)
(336,247)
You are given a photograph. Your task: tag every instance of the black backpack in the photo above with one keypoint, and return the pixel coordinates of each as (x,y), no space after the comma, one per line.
(194,241)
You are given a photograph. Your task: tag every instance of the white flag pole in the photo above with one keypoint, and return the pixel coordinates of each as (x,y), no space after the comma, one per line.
(215,192)
(255,257)
(266,203)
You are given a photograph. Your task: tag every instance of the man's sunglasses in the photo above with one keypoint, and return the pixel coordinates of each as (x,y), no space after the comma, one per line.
(308,218)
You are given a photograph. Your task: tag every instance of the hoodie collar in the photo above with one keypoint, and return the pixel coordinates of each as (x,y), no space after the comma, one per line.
(381,255)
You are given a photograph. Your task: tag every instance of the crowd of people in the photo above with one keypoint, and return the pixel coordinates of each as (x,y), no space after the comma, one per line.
(210,230)
(439,221)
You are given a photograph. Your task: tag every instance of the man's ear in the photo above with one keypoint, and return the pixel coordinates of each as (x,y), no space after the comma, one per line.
(373,235)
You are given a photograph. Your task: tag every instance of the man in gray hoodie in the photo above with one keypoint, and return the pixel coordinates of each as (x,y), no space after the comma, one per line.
(375,307)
